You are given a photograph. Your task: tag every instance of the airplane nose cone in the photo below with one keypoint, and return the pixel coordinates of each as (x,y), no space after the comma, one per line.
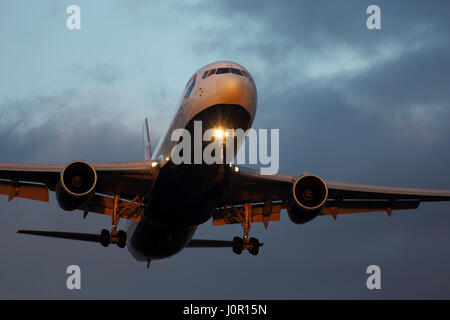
(230,87)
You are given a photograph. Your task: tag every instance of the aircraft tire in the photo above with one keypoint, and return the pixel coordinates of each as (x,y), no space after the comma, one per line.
(122,239)
(105,237)
(254,246)
(238,245)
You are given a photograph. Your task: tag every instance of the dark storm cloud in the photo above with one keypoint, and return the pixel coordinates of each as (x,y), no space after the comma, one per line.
(56,128)
(382,121)
(352,105)
(72,128)
(310,24)
(400,85)
(418,77)
(105,73)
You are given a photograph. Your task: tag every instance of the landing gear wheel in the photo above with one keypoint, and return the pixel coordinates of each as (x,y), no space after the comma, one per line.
(238,245)
(254,246)
(105,237)
(122,239)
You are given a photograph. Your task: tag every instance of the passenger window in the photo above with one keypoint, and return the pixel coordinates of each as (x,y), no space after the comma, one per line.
(211,72)
(236,71)
(205,74)
(223,70)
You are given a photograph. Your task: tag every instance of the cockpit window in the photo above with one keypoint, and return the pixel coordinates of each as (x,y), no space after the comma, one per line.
(223,70)
(211,72)
(247,75)
(236,71)
(190,85)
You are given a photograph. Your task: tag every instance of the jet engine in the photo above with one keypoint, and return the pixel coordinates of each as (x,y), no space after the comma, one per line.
(76,185)
(308,197)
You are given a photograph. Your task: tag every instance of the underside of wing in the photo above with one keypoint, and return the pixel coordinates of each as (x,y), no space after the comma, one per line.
(130,210)
(360,206)
(130,182)
(337,190)
(262,212)
(249,186)
(344,198)
(266,195)
(24,190)
(127,179)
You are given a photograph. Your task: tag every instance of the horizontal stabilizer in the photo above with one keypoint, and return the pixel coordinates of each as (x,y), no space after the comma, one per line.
(147,143)
(64,235)
(200,243)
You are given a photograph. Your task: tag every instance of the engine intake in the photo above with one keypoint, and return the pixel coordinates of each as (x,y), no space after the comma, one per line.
(309,195)
(310,192)
(76,185)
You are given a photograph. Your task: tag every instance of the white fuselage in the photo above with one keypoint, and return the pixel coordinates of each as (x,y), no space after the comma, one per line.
(205,90)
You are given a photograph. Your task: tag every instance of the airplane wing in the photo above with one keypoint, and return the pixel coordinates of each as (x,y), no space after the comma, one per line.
(268,194)
(132,181)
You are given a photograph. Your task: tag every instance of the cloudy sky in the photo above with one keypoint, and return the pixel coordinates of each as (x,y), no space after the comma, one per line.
(352,105)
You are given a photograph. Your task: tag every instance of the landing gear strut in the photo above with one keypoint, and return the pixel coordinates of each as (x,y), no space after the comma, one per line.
(117,237)
(252,244)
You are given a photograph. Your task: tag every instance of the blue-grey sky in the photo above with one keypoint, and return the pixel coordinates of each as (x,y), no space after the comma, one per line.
(352,105)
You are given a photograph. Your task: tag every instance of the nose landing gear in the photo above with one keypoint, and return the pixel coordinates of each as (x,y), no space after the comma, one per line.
(252,244)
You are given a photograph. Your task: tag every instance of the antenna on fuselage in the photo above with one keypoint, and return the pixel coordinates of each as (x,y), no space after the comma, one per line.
(147,143)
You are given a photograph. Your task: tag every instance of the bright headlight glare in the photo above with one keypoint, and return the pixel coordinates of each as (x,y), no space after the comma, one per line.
(218,133)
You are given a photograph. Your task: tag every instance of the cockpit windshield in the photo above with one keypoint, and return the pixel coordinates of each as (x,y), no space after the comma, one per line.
(236,71)
(190,85)
(224,70)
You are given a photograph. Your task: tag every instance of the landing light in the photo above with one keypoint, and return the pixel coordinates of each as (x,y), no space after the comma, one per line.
(218,133)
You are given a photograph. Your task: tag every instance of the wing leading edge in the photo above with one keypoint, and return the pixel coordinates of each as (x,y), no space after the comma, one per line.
(132,181)
(274,191)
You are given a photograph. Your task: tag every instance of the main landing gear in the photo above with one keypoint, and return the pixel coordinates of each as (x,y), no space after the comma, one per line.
(117,237)
(252,244)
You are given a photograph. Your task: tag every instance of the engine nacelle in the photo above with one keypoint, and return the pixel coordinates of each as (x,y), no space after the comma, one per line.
(76,185)
(308,197)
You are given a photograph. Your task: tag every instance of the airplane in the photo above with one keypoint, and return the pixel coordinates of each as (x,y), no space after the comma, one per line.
(166,202)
